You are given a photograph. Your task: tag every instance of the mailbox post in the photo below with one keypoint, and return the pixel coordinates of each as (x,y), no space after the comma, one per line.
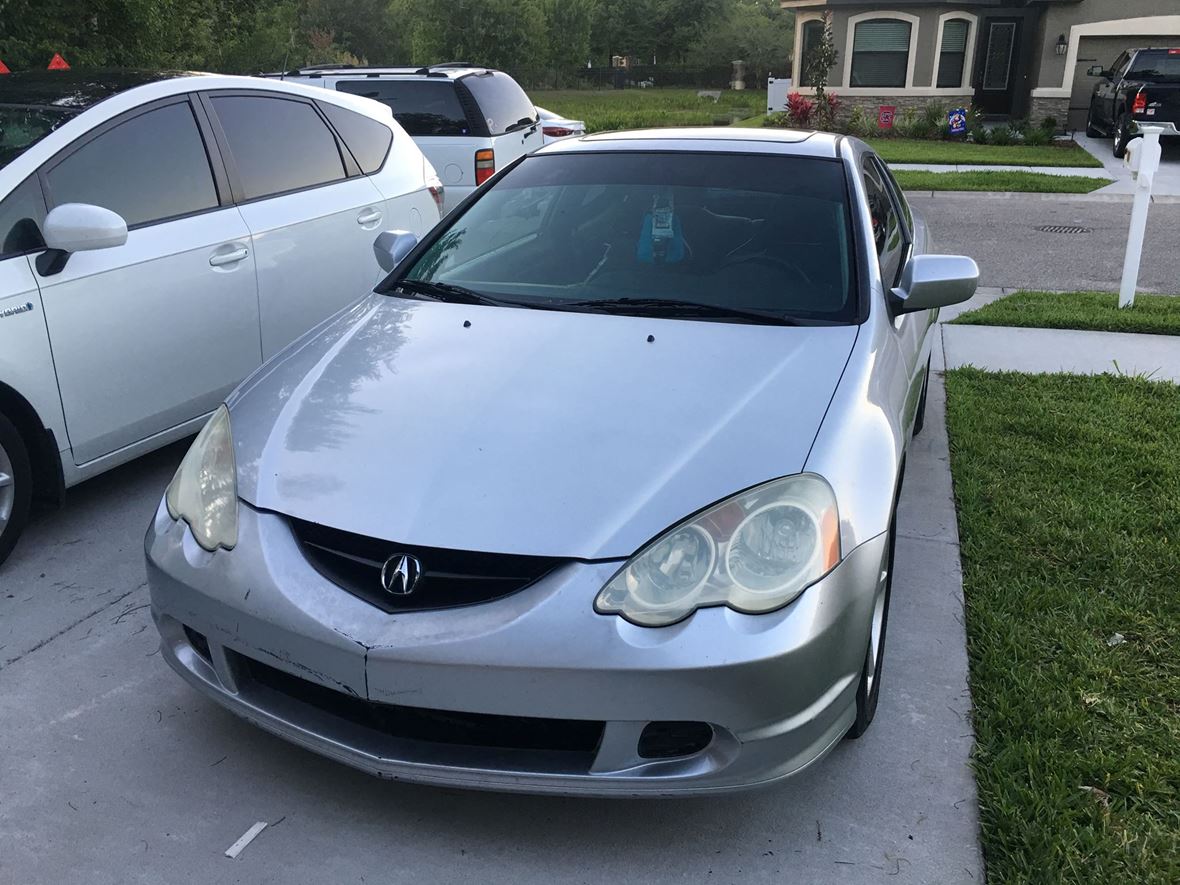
(1143,158)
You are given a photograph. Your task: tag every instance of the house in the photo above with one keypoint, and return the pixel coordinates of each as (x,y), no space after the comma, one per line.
(1011,58)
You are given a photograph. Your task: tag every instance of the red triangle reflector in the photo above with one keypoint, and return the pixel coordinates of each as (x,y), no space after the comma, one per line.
(57,63)
(4,68)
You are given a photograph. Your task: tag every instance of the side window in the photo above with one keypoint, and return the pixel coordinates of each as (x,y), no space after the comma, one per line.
(422,107)
(21,215)
(502,103)
(277,144)
(367,139)
(898,195)
(1120,66)
(888,236)
(148,168)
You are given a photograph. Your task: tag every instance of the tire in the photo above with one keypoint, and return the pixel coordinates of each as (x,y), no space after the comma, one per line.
(920,415)
(1092,131)
(868,692)
(16,486)
(1121,137)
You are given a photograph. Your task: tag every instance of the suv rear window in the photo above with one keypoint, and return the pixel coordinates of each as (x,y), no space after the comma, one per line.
(423,107)
(502,103)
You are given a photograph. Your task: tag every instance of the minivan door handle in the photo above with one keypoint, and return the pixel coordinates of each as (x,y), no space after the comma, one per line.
(369,216)
(223,258)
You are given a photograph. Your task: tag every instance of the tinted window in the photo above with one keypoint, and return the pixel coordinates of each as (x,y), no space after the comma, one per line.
(423,107)
(367,139)
(21,215)
(888,236)
(278,145)
(760,233)
(1157,64)
(502,103)
(148,168)
(22,126)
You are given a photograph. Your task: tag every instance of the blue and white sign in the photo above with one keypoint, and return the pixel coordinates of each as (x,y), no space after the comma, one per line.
(957,121)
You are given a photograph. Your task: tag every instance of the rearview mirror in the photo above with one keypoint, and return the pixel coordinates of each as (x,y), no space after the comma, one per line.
(392,246)
(78,227)
(930,281)
(1096,71)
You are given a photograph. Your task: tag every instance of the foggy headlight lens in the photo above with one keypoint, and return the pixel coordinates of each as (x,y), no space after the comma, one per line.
(754,552)
(204,491)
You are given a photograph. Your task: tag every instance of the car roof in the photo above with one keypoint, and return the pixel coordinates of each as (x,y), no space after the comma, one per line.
(76,89)
(446,70)
(722,139)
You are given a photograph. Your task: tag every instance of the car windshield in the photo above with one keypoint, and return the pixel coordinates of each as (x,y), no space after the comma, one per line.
(21,126)
(1157,64)
(739,237)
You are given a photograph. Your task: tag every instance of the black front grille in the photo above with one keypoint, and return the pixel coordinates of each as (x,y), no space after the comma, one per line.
(482,730)
(449,578)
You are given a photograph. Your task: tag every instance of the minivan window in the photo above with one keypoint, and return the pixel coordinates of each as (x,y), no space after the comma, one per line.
(712,236)
(277,144)
(502,103)
(367,139)
(423,107)
(148,168)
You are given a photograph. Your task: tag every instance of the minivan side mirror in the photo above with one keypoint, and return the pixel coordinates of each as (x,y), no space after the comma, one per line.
(392,246)
(929,281)
(78,227)
(1096,71)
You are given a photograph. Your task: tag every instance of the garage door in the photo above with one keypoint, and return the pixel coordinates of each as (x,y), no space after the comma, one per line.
(1101,51)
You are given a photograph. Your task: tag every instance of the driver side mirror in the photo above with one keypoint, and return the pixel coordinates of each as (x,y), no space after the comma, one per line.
(1096,71)
(931,281)
(392,246)
(78,227)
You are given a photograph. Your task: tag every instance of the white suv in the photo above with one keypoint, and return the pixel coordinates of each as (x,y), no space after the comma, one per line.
(468,120)
(161,236)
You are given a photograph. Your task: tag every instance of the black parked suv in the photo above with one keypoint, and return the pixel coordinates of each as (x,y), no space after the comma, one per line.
(1142,86)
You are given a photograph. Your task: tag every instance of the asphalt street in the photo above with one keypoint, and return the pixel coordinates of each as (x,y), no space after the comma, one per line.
(1002,233)
(112,770)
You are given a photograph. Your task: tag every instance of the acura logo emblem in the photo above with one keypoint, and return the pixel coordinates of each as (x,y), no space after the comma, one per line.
(400,573)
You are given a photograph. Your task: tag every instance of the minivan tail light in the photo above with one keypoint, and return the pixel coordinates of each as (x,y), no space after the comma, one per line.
(1139,105)
(485,165)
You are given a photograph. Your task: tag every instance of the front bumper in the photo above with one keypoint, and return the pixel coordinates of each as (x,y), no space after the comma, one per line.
(778,690)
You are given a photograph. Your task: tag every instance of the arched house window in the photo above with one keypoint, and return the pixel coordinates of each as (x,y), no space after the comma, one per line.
(881,52)
(954,40)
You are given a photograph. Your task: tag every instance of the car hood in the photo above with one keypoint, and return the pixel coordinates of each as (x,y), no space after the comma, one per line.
(527,431)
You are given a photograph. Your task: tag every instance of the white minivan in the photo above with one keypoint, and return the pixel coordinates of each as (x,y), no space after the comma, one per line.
(161,236)
(469,120)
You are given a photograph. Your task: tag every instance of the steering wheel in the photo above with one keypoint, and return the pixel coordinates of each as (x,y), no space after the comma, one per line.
(774,260)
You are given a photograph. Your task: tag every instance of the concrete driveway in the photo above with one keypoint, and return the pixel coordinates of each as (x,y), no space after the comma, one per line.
(114,771)
(1167,179)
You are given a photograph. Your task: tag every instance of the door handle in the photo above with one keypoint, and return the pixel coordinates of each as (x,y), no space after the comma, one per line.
(369,216)
(224,258)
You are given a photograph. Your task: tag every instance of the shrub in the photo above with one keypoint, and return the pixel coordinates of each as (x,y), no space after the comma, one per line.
(933,120)
(1018,127)
(861,123)
(908,124)
(1038,137)
(1002,135)
(825,111)
(780,119)
(800,110)
(1049,124)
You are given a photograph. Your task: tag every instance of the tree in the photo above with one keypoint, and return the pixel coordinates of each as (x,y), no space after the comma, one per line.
(757,31)
(818,64)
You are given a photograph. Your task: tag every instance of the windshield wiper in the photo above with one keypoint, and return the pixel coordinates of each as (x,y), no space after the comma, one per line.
(671,307)
(522,123)
(447,292)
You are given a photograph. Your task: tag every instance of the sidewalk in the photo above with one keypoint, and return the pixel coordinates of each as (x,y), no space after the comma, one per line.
(1009,348)
(1088,172)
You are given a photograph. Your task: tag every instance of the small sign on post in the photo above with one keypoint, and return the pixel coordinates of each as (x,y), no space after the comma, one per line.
(885,114)
(956,121)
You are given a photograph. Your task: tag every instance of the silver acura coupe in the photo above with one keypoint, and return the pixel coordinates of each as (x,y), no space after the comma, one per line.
(594,495)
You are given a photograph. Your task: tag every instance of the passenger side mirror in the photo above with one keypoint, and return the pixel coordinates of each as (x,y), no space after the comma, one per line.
(930,281)
(392,246)
(1096,71)
(78,227)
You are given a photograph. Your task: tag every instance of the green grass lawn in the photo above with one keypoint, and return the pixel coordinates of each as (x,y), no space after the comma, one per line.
(1068,491)
(1096,311)
(912,150)
(1030,182)
(606,109)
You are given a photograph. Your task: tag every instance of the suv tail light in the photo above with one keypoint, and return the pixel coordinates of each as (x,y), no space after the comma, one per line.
(438,192)
(485,165)
(557,131)
(1139,105)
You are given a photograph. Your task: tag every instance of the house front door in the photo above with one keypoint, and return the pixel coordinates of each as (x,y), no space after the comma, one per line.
(996,76)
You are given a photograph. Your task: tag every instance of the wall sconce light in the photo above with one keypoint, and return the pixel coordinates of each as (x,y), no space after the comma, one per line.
(1061,46)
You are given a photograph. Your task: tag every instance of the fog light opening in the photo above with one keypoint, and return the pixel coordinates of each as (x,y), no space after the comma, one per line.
(668,740)
(199,643)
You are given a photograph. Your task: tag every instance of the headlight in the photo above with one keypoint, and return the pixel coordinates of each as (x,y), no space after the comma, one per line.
(754,552)
(204,491)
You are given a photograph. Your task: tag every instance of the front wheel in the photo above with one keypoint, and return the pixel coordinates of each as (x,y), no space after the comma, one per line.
(16,486)
(869,690)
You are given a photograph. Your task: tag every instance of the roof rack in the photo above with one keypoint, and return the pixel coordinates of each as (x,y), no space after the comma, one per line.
(426,70)
(326,67)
